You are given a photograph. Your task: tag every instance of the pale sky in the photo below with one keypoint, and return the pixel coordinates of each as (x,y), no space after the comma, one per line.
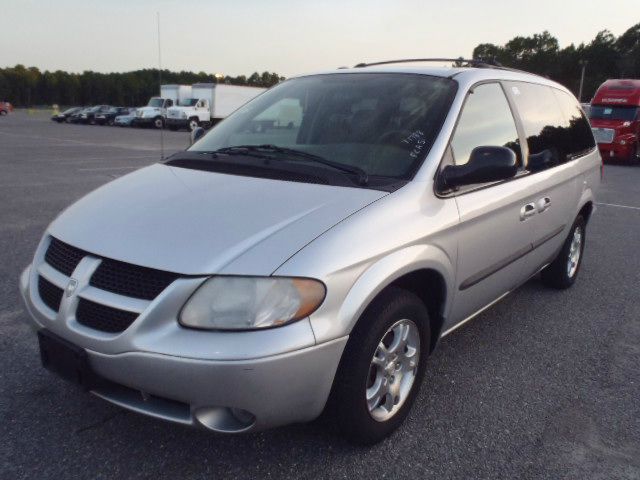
(289,37)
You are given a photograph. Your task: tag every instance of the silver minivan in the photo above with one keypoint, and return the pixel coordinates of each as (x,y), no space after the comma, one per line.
(308,253)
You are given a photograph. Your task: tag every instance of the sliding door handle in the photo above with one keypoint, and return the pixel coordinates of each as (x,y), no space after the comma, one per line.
(527,211)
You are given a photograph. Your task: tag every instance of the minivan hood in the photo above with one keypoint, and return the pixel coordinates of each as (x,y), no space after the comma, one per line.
(194,222)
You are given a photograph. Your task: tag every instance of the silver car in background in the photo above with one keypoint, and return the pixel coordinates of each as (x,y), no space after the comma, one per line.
(308,253)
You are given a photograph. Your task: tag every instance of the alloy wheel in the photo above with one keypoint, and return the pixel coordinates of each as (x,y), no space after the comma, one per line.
(393,369)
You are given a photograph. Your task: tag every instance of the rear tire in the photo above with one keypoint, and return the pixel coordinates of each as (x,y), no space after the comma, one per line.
(375,387)
(563,271)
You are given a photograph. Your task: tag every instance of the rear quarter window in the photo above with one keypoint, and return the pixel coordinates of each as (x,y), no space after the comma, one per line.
(554,125)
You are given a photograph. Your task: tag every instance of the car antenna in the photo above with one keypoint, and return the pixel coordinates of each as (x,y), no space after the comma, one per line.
(160,86)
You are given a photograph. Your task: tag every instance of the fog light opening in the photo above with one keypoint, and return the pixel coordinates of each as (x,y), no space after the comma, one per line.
(225,419)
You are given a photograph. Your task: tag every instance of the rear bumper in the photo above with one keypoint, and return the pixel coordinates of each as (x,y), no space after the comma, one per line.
(286,385)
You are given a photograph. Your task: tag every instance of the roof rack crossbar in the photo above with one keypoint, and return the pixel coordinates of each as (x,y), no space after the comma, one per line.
(474,62)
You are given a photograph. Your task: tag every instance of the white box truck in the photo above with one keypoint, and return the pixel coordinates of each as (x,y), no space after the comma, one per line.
(209,103)
(155,113)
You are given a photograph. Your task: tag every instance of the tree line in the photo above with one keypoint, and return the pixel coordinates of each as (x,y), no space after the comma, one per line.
(606,56)
(28,86)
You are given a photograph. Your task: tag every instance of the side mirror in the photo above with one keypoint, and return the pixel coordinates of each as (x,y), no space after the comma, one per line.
(486,164)
(196,134)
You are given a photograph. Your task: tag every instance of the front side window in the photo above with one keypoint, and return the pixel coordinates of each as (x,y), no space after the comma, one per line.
(381,123)
(485,121)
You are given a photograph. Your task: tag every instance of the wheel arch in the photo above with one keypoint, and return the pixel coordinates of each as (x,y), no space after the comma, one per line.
(425,271)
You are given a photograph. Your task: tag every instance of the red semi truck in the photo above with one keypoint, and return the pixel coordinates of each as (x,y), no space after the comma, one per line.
(615,119)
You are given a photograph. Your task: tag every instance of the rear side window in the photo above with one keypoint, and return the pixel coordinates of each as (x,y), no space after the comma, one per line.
(580,133)
(486,120)
(554,125)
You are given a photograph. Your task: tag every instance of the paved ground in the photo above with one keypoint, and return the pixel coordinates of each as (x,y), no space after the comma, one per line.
(544,385)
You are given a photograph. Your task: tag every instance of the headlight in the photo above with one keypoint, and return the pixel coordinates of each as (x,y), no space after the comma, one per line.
(245,303)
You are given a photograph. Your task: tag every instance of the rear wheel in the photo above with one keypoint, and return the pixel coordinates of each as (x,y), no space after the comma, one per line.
(110,122)
(382,367)
(563,271)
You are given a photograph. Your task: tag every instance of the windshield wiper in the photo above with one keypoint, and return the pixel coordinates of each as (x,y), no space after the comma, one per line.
(363,178)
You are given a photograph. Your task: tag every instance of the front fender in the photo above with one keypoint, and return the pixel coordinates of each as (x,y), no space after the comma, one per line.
(340,313)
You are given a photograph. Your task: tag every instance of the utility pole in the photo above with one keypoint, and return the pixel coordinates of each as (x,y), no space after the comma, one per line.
(583,64)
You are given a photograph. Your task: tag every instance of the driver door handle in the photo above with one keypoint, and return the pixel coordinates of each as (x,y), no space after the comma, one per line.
(527,211)
(544,204)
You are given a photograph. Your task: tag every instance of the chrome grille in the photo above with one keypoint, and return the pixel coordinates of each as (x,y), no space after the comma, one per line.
(103,318)
(50,295)
(604,135)
(113,293)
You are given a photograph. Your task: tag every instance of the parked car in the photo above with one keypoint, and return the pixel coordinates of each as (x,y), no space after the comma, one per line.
(126,119)
(315,262)
(5,108)
(109,117)
(63,116)
(77,116)
(88,116)
(615,118)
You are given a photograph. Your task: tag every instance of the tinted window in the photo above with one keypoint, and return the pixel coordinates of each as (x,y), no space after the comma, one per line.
(580,134)
(555,128)
(486,120)
(383,123)
(606,112)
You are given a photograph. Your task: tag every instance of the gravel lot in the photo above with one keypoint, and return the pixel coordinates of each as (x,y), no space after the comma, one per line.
(545,384)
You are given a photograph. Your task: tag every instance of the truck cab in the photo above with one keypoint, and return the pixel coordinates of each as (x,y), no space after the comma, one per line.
(190,113)
(615,119)
(154,113)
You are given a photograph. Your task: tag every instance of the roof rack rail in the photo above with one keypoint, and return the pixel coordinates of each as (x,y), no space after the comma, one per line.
(474,62)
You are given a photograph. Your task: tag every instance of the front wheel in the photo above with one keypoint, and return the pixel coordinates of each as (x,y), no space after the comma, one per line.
(382,367)
(193,124)
(563,271)
(158,122)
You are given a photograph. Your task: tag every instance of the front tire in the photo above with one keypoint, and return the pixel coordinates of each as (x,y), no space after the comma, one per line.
(563,271)
(158,123)
(193,124)
(382,367)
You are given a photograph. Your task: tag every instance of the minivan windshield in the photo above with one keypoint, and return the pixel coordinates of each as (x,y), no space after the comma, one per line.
(605,112)
(378,124)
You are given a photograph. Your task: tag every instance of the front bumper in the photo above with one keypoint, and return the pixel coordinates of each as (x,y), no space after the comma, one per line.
(177,122)
(617,151)
(143,121)
(225,381)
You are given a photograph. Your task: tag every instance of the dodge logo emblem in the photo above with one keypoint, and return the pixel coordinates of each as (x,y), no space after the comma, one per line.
(71,287)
